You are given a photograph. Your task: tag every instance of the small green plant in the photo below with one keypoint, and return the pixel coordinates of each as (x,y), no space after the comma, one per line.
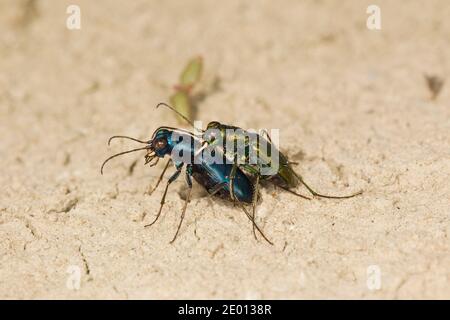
(182,98)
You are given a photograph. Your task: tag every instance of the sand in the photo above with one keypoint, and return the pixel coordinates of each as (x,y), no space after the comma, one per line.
(352,107)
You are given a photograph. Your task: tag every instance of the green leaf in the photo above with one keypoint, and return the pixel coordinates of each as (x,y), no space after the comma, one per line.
(191,73)
(180,101)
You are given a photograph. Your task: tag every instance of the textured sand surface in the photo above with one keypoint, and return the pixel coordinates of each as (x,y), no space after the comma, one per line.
(353,110)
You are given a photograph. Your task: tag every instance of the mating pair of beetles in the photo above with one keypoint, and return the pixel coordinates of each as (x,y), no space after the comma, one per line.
(235,180)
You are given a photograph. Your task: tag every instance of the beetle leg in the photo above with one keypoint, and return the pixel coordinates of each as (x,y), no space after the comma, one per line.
(254,201)
(254,224)
(150,189)
(291,191)
(323,195)
(163,199)
(231,182)
(216,188)
(189,183)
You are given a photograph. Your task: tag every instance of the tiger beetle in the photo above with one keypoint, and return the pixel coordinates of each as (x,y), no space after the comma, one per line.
(221,135)
(213,176)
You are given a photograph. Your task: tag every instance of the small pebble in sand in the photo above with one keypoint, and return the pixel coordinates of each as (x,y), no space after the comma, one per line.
(435,84)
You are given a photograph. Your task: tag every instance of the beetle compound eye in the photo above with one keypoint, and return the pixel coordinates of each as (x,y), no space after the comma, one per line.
(213,125)
(160,144)
(211,135)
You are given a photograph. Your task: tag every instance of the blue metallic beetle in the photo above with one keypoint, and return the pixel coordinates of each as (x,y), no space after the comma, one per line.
(183,149)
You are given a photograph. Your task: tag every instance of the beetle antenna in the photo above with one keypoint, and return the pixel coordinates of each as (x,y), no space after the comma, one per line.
(125,137)
(119,154)
(178,113)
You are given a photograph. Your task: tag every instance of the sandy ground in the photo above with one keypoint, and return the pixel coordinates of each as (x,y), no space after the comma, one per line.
(352,106)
